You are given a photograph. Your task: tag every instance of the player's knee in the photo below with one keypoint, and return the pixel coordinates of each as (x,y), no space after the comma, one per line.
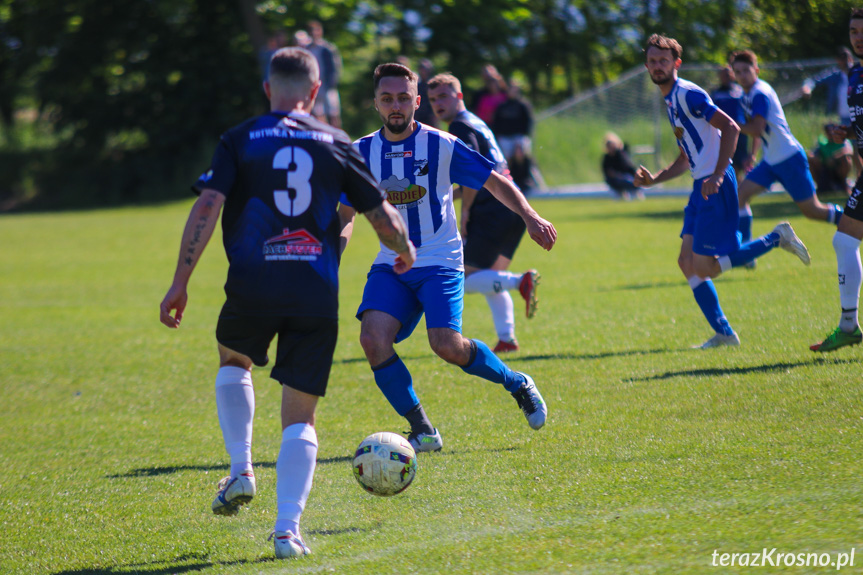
(374,345)
(449,350)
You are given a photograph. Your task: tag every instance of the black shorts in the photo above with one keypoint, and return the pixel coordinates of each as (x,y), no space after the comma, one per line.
(492,234)
(304,352)
(854,205)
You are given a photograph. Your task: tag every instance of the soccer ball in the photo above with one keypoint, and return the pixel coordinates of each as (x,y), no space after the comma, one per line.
(385,464)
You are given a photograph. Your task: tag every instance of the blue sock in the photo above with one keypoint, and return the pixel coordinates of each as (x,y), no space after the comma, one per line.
(744,224)
(708,301)
(485,364)
(754,249)
(835,214)
(396,383)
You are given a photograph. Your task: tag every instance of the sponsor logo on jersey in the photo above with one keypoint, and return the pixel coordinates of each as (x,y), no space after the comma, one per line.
(297,245)
(393,155)
(400,192)
(421,167)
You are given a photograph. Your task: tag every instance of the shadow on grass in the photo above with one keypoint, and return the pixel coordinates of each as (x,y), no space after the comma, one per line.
(168,567)
(602,355)
(169,470)
(766,368)
(774,210)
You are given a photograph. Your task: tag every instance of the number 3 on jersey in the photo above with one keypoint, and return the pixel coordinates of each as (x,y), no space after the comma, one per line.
(299,165)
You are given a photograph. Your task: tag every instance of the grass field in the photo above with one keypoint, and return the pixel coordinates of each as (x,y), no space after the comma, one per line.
(654,456)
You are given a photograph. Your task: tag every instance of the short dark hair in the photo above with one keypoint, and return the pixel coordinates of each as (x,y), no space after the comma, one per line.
(856,13)
(663,43)
(394,70)
(745,56)
(295,64)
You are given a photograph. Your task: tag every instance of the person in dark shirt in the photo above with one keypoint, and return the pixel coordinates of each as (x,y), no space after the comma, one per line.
(728,97)
(282,249)
(618,169)
(491,231)
(425,70)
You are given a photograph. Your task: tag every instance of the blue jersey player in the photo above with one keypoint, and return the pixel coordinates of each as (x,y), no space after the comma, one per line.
(707,138)
(846,241)
(417,166)
(279,177)
(783,158)
(490,231)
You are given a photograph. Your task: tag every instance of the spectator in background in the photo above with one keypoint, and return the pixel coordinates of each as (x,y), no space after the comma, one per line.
(618,169)
(513,128)
(424,114)
(274,42)
(328,105)
(493,93)
(728,98)
(835,80)
(830,161)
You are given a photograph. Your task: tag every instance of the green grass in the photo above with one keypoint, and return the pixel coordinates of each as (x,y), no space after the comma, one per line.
(568,150)
(654,455)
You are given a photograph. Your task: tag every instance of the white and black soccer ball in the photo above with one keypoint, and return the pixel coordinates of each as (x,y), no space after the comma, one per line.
(385,464)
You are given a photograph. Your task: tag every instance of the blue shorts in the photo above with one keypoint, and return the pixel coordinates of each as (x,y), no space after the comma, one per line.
(792,173)
(434,290)
(712,223)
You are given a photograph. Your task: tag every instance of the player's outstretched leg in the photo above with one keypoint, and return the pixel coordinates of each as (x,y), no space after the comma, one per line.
(782,236)
(235,403)
(485,364)
(708,301)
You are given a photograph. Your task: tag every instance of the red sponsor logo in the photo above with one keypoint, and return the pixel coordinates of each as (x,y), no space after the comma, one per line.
(297,244)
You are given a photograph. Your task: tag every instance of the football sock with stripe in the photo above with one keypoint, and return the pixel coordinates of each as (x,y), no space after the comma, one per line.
(749,251)
(491,281)
(708,300)
(235,404)
(850,277)
(295,469)
(396,383)
(485,364)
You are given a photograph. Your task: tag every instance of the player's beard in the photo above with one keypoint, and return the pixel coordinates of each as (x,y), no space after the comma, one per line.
(665,79)
(398,128)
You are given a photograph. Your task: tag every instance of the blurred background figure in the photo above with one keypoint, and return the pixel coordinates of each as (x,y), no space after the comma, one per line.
(424,114)
(728,98)
(328,105)
(618,169)
(274,42)
(490,96)
(513,129)
(835,80)
(831,160)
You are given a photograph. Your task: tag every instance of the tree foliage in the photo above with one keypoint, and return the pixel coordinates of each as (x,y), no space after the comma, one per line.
(134,91)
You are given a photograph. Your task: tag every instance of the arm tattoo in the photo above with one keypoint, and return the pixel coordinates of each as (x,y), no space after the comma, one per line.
(392,236)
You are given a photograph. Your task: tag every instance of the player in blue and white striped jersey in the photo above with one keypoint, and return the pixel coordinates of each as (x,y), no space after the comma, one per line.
(707,138)
(417,167)
(783,158)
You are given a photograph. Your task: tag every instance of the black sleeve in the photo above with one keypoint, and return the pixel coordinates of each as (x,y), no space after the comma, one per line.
(466,134)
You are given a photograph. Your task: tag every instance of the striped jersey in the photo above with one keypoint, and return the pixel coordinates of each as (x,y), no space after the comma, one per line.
(779,143)
(689,111)
(418,174)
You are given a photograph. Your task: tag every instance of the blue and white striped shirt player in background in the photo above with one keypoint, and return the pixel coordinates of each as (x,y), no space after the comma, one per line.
(417,166)
(783,158)
(707,138)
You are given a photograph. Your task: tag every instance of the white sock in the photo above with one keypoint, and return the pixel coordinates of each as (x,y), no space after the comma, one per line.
(850,277)
(503,315)
(235,402)
(295,469)
(491,281)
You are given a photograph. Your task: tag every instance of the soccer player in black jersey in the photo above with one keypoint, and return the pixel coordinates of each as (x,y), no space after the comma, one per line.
(279,177)
(846,240)
(491,231)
